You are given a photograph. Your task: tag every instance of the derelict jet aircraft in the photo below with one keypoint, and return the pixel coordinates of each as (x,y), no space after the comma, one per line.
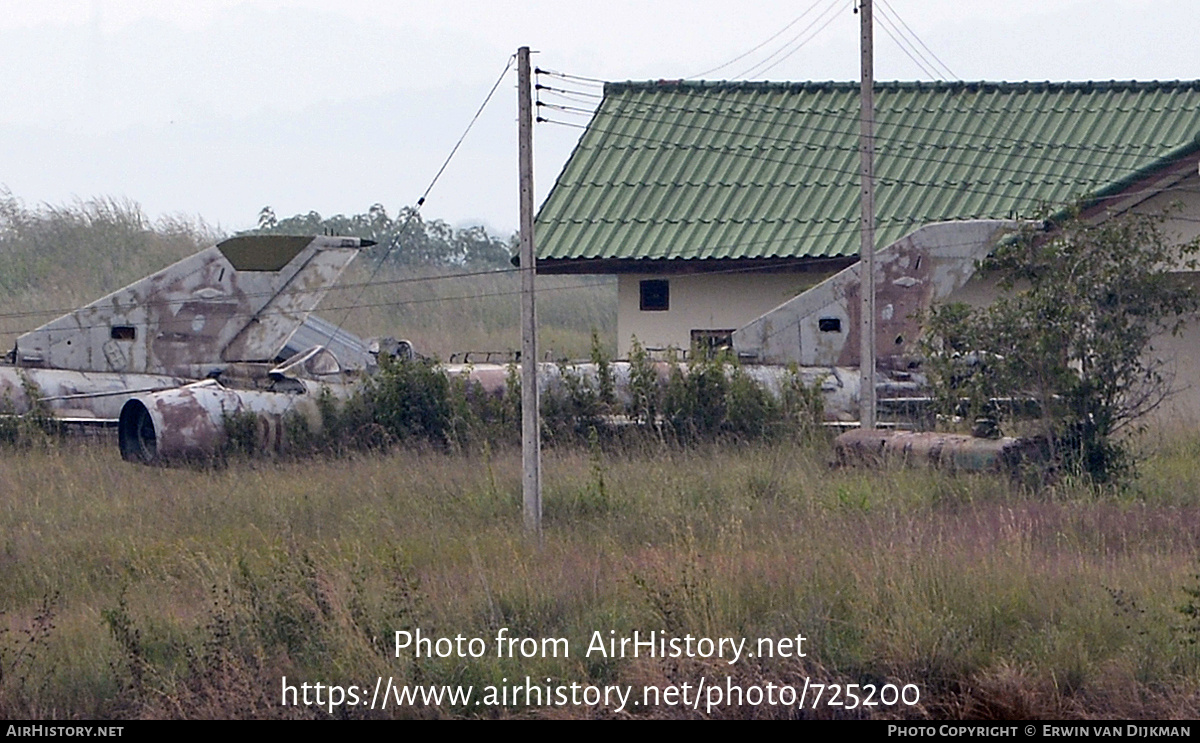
(167,357)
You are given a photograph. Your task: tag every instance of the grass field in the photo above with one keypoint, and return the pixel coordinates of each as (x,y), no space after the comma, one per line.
(130,591)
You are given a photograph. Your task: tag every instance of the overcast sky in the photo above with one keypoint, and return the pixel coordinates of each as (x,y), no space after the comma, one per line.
(217,108)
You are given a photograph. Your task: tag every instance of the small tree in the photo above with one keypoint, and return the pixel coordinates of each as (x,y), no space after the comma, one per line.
(1072,337)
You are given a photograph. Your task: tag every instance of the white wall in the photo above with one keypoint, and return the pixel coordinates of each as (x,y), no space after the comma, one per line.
(1184,224)
(1181,352)
(702,301)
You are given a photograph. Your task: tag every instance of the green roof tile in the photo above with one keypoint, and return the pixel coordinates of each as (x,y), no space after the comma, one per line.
(699,170)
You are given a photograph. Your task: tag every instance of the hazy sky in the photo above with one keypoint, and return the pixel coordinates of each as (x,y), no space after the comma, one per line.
(218,107)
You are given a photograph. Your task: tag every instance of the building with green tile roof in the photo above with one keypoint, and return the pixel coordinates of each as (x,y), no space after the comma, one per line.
(722,200)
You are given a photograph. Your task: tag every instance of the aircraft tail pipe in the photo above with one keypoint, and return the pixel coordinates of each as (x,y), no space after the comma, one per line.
(191,422)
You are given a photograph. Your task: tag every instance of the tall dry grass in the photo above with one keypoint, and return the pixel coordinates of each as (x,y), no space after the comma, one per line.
(191,592)
(56,258)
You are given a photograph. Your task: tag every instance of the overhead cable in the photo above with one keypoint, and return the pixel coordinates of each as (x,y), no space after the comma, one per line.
(762,67)
(771,38)
(914,35)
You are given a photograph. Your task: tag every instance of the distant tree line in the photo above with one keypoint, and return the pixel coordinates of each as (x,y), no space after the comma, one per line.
(406,240)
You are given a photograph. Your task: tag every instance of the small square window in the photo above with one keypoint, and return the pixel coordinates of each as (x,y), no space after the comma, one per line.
(829,324)
(123,333)
(655,295)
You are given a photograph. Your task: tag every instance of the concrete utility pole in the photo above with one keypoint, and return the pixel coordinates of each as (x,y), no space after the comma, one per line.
(531,435)
(866,264)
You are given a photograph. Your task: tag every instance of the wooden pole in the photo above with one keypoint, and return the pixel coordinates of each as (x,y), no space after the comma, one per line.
(531,438)
(867,247)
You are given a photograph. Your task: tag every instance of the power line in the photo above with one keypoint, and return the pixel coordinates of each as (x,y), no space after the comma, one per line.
(572,110)
(882,121)
(595,81)
(888,28)
(914,35)
(151,304)
(702,249)
(696,252)
(759,69)
(463,136)
(771,38)
(693,252)
(712,94)
(962,186)
(366,305)
(775,266)
(972,152)
(421,201)
(568,93)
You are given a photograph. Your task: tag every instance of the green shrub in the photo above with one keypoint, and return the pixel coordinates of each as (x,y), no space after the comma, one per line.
(410,399)
(1071,336)
(418,402)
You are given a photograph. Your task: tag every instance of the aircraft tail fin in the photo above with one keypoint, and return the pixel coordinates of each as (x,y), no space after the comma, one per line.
(237,301)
